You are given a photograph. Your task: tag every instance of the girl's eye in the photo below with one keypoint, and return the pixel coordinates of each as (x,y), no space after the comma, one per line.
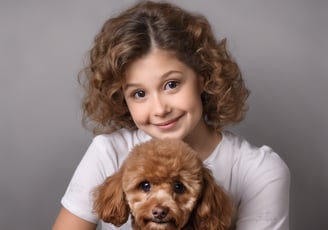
(171,85)
(139,94)
(145,186)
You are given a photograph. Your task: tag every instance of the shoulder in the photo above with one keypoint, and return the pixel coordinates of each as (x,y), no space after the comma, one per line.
(254,168)
(236,163)
(253,159)
(121,138)
(251,155)
(118,143)
(108,151)
(259,184)
(257,180)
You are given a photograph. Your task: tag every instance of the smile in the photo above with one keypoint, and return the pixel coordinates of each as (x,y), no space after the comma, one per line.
(168,124)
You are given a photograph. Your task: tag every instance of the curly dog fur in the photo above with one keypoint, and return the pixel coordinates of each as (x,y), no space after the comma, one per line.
(163,185)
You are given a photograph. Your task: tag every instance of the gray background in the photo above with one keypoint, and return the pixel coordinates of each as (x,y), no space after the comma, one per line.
(280,45)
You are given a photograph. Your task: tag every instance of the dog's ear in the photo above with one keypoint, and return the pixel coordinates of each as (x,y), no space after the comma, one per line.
(214,210)
(109,201)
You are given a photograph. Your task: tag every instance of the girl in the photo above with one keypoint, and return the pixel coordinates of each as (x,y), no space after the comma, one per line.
(157,71)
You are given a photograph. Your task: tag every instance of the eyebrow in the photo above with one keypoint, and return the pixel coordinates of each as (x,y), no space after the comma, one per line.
(162,77)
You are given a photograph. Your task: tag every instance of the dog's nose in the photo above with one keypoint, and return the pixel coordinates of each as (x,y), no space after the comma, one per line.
(160,212)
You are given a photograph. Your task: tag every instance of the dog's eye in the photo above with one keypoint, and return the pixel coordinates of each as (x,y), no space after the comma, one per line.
(145,186)
(178,187)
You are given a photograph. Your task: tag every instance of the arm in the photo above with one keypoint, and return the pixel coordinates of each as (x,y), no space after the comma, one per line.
(68,221)
(77,212)
(265,200)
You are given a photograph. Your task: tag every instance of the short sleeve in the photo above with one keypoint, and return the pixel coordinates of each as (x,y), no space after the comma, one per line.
(265,184)
(91,172)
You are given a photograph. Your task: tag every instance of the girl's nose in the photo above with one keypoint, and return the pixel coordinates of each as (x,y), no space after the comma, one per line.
(160,107)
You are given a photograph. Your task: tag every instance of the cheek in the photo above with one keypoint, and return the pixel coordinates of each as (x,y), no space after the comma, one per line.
(189,101)
(137,112)
(190,97)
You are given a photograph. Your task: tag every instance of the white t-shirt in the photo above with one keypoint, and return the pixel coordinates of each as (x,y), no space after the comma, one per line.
(256,178)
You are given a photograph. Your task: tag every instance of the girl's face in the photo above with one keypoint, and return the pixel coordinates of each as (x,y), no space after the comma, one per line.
(164,96)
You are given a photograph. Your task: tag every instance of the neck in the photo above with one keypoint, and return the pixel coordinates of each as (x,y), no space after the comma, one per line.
(205,141)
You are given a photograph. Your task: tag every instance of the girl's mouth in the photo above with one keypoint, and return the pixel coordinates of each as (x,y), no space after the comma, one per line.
(168,124)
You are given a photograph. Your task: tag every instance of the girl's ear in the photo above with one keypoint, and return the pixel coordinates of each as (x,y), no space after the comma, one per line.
(214,210)
(201,83)
(109,201)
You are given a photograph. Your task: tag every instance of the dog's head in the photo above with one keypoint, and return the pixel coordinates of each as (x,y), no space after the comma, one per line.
(164,185)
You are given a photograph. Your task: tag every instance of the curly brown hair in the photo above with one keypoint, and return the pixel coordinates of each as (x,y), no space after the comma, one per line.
(131,35)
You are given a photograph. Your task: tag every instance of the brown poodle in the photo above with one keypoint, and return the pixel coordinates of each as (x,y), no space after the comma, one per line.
(164,185)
